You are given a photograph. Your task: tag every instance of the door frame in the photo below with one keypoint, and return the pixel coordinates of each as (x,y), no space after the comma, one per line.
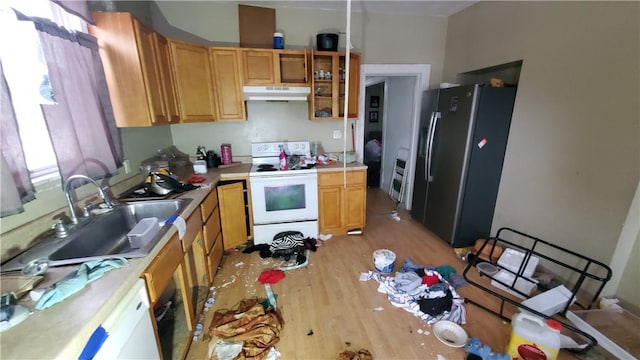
(422,73)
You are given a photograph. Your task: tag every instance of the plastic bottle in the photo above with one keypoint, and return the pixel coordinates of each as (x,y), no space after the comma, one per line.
(533,337)
(278,40)
(284,165)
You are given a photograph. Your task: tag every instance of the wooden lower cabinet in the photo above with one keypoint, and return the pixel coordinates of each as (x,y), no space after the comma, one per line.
(213,247)
(342,208)
(184,269)
(214,258)
(167,280)
(235,213)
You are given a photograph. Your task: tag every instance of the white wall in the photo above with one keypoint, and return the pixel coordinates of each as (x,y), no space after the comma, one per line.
(398,126)
(572,159)
(268,121)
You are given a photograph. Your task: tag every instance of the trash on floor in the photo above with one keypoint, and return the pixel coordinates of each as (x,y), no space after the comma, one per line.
(475,350)
(250,323)
(384,260)
(450,333)
(325,237)
(362,354)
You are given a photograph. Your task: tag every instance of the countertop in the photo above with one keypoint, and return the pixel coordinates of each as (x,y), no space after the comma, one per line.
(62,330)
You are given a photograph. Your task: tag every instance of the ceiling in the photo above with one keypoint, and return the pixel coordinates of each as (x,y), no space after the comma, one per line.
(422,7)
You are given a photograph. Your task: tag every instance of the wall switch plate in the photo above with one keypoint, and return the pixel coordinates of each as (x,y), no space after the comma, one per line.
(337,134)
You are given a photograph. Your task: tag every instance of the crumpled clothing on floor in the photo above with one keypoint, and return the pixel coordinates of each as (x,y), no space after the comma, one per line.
(257,328)
(271,276)
(410,299)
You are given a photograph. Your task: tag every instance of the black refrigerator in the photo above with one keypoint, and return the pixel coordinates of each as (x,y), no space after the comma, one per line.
(461,145)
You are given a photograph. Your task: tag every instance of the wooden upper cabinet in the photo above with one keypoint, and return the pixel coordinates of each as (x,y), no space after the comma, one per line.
(329,90)
(275,67)
(227,77)
(166,78)
(354,86)
(193,81)
(132,68)
(258,67)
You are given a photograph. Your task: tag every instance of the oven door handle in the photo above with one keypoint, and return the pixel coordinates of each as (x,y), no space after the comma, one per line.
(297,177)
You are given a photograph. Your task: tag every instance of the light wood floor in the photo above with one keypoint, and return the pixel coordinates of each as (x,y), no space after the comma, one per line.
(328,299)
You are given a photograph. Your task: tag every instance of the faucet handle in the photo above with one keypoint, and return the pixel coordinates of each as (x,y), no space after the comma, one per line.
(61,229)
(86,210)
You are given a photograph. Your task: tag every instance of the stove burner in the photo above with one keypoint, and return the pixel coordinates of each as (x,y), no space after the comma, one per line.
(265,167)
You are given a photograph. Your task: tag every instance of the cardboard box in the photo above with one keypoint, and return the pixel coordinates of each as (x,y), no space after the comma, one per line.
(508,278)
(551,301)
(512,260)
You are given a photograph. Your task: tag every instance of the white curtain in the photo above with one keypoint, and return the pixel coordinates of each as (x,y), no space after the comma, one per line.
(80,123)
(15,183)
(79,117)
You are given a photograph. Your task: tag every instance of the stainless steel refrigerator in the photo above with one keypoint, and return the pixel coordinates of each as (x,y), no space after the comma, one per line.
(461,145)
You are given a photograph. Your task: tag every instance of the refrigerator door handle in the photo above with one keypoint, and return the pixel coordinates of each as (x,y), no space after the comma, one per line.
(435,118)
(427,147)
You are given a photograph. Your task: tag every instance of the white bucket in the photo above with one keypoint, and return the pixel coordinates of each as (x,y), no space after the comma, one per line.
(383,260)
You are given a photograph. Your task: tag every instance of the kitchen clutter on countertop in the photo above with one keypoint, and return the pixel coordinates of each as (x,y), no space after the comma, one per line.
(13,310)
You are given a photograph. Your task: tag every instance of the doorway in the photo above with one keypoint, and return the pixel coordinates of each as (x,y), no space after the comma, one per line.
(374,118)
(398,116)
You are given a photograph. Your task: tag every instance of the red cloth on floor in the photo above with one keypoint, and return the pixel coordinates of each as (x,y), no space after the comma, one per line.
(271,276)
(430,280)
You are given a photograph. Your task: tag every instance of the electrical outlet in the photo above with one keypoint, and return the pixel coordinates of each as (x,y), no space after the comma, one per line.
(127,166)
(337,134)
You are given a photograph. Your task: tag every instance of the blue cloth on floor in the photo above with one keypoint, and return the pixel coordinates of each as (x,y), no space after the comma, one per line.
(457,281)
(411,266)
(76,280)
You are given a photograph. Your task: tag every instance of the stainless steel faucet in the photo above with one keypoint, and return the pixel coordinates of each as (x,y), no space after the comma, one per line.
(67,192)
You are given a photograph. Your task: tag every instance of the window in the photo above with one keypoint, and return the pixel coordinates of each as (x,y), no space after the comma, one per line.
(27,76)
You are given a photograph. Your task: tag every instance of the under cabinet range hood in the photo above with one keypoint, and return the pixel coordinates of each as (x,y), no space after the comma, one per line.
(276,93)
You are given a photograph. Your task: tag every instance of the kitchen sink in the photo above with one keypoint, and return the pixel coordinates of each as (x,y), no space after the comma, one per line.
(102,236)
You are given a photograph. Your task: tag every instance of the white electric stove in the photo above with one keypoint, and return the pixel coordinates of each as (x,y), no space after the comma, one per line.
(283,200)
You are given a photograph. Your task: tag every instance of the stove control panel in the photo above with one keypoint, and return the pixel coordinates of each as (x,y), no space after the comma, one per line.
(272,149)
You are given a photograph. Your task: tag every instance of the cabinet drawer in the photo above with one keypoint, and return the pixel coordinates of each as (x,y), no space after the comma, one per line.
(335,178)
(194,225)
(211,230)
(208,204)
(215,257)
(162,268)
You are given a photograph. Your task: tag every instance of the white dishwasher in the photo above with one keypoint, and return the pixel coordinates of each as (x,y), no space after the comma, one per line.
(128,332)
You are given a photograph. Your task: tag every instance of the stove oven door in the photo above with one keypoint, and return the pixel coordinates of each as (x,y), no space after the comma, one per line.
(284,198)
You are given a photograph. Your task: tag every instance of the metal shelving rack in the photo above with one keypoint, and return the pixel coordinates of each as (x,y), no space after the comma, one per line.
(582,275)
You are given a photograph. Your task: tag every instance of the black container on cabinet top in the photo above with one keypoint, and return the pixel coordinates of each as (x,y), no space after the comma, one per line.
(327,42)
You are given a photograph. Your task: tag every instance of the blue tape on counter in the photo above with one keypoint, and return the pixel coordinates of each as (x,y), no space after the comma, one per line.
(94,344)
